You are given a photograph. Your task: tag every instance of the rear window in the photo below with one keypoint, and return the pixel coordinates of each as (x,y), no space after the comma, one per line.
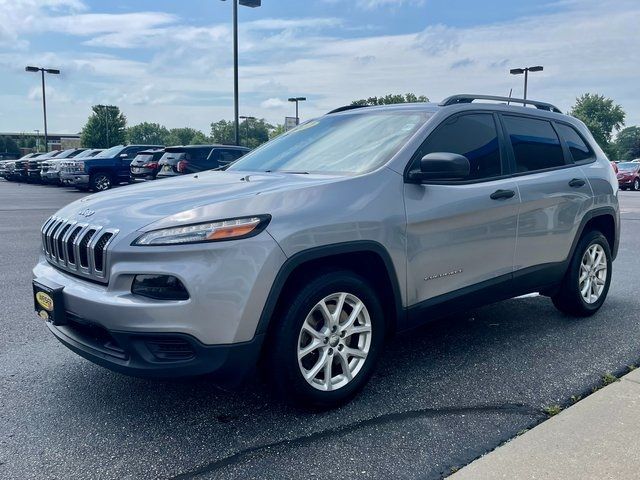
(144,157)
(173,156)
(535,144)
(577,146)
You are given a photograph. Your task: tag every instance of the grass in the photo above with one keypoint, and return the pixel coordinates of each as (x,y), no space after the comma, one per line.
(608,379)
(552,410)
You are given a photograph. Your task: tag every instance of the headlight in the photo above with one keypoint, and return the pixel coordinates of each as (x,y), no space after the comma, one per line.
(232,229)
(78,166)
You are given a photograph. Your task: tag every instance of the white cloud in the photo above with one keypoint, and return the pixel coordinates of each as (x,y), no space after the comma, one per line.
(270,103)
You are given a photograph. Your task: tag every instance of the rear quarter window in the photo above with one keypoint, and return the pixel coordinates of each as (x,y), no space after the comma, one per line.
(579,149)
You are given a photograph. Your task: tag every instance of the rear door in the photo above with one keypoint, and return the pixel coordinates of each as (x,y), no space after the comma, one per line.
(554,191)
(461,233)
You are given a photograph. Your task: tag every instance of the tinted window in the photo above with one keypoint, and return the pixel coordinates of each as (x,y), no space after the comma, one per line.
(473,136)
(228,156)
(577,146)
(535,144)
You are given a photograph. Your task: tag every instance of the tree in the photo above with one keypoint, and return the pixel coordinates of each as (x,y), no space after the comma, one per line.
(601,116)
(105,127)
(391,99)
(8,145)
(186,136)
(253,132)
(276,130)
(628,143)
(146,133)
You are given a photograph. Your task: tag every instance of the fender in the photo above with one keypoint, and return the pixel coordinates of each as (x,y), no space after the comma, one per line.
(326,251)
(591,214)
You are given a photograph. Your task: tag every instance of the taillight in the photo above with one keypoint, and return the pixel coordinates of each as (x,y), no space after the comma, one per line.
(182,166)
(150,165)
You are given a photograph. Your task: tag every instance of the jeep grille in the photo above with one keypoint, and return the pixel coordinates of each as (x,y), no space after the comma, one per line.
(79,248)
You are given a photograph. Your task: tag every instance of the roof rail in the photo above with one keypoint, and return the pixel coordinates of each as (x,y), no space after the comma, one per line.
(468,98)
(346,107)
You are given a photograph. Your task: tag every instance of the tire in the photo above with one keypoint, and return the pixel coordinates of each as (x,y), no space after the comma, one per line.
(636,184)
(99,182)
(569,298)
(302,315)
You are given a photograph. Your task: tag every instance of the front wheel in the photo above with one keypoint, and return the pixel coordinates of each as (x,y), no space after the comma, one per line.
(587,281)
(636,184)
(100,182)
(324,349)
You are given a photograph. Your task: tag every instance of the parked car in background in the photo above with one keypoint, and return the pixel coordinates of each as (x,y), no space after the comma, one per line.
(629,176)
(68,167)
(185,159)
(34,165)
(108,168)
(19,171)
(145,165)
(50,169)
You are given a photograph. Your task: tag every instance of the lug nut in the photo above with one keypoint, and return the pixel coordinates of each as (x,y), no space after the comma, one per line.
(326,339)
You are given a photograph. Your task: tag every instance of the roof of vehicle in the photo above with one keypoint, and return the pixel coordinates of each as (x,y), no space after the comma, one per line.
(464,102)
(178,148)
(150,151)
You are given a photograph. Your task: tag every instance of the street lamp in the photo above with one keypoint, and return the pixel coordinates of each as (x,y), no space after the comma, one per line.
(53,71)
(520,71)
(244,3)
(246,122)
(297,100)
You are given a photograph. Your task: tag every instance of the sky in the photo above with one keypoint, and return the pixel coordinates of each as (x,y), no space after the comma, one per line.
(171,62)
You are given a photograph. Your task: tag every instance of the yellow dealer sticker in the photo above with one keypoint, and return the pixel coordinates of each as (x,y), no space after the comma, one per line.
(45,301)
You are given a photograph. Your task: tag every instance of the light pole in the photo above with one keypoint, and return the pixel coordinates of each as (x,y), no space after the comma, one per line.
(520,71)
(106,114)
(37,140)
(246,122)
(297,100)
(244,3)
(53,71)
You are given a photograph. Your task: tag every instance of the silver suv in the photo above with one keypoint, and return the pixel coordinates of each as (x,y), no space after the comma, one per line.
(307,253)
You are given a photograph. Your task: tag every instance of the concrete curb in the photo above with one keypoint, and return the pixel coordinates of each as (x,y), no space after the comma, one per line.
(597,438)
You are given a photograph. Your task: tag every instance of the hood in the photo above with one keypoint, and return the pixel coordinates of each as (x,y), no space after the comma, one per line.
(135,206)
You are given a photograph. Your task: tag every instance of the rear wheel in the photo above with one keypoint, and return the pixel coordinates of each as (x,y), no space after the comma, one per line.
(324,350)
(100,182)
(586,284)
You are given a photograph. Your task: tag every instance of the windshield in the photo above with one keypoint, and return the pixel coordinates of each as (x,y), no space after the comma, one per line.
(347,143)
(85,153)
(627,167)
(110,152)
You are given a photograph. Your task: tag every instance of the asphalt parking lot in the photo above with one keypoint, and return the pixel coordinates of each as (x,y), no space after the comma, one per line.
(442,396)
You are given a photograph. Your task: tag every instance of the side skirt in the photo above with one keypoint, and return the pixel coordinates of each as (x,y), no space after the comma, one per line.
(542,278)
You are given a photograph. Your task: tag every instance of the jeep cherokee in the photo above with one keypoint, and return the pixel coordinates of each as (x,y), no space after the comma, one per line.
(305,254)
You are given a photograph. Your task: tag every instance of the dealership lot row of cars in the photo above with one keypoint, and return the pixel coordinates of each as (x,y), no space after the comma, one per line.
(98,169)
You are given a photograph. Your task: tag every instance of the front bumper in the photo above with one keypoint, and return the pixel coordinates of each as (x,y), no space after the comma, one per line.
(158,355)
(74,179)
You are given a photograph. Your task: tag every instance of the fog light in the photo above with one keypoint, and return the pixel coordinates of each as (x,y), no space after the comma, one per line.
(159,287)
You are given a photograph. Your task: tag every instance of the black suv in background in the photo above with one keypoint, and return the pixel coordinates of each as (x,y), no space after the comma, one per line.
(145,165)
(197,158)
(108,168)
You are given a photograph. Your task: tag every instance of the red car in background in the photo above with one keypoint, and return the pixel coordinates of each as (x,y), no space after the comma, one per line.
(629,175)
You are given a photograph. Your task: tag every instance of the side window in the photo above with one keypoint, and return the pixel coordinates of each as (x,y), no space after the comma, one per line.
(536,145)
(228,156)
(474,136)
(577,146)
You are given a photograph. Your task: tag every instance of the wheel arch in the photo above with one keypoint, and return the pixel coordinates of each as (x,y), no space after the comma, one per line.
(367,258)
(603,219)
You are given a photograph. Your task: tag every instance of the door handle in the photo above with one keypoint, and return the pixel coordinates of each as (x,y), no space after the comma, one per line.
(576,182)
(500,194)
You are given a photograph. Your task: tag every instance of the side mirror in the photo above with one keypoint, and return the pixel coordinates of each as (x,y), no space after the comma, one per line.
(441,166)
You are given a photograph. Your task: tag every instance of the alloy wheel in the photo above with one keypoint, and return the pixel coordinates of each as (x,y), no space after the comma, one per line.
(102,183)
(593,273)
(334,341)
